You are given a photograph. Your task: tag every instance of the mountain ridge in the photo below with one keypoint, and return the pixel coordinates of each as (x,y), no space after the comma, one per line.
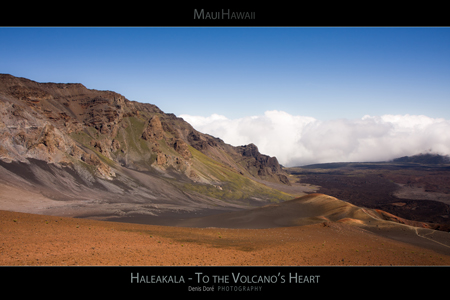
(76,109)
(101,138)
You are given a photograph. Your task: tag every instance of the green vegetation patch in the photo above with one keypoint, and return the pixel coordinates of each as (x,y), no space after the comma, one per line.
(233,186)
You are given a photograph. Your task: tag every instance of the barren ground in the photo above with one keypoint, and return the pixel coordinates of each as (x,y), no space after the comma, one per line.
(30,239)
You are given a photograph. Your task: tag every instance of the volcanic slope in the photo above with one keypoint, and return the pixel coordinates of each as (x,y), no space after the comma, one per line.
(312,230)
(416,188)
(327,210)
(72,151)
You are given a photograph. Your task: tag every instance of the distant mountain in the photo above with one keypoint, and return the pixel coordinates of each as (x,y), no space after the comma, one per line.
(95,140)
(427,158)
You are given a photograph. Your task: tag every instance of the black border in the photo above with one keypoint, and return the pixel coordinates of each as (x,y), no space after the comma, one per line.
(324,280)
(334,280)
(168,14)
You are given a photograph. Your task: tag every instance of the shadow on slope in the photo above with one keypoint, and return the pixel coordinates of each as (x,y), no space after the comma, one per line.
(38,187)
(320,208)
(306,210)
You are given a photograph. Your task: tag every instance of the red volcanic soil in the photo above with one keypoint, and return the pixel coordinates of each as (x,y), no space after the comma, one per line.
(30,239)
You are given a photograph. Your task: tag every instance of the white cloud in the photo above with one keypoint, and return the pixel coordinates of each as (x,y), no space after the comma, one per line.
(299,140)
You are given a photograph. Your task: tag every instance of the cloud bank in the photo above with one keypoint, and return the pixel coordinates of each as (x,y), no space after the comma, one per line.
(301,140)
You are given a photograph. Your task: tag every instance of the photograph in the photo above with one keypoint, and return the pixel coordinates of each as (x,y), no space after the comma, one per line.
(222,159)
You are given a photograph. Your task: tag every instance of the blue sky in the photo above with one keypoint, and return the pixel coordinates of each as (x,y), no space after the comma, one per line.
(320,72)
(237,72)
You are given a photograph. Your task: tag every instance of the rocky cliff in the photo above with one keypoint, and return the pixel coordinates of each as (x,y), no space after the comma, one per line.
(99,134)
